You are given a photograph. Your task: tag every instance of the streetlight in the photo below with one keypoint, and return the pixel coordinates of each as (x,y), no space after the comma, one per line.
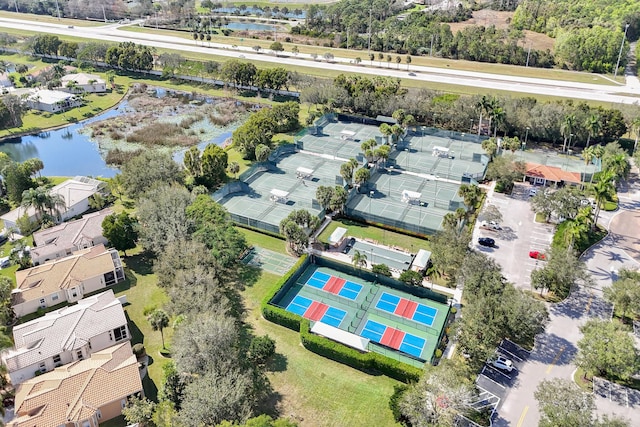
(389,180)
(569,146)
(422,204)
(526,135)
(407,150)
(624,36)
(471,126)
(370,197)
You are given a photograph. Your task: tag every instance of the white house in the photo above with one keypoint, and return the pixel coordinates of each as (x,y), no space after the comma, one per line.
(83,82)
(5,82)
(52,101)
(66,279)
(61,240)
(65,336)
(75,192)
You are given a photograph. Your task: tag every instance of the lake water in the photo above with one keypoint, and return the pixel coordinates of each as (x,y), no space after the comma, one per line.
(242,26)
(69,152)
(258,12)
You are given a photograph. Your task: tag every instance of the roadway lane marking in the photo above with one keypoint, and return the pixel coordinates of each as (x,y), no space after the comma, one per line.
(524,413)
(555,359)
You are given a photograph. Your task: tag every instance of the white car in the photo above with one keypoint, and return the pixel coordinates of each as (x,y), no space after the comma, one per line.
(502,363)
(533,191)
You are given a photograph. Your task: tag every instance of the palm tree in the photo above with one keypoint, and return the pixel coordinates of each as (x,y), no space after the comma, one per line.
(359,259)
(593,126)
(35,198)
(55,202)
(470,195)
(385,130)
(603,190)
(397,132)
(159,320)
(234,168)
(566,128)
(635,126)
(618,165)
(497,115)
(484,105)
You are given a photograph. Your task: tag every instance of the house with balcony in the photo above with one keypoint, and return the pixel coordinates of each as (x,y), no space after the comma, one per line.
(65,336)
(60,241)
(84,393)
(75,193)
(66,279)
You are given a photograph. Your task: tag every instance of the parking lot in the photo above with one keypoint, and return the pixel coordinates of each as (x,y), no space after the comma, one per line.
(494,384)
(520,235)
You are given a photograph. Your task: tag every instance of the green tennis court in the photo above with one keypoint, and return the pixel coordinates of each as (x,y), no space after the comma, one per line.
(270,261)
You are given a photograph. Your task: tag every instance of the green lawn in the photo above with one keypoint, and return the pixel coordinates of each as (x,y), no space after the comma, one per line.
(364,231)
(264,241)
(50,19)
(318,391)
(141,289)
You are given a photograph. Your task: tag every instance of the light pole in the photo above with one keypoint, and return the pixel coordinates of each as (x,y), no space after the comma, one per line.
(389,180)
(569,146)
(421,215)
(407,151)
(526,135)
(624,36)
(471,126)
(369,46)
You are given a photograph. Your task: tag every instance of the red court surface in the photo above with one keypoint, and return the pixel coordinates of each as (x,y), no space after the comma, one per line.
(392,338)
(406,308)
(334,285)
(396,340)
(315,311)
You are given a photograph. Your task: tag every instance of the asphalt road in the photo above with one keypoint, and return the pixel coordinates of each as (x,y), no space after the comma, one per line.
(614,94)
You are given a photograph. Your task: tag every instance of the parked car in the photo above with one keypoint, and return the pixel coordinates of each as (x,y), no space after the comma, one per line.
(533,191)
(491,225)
(5,262)
(3,238)
(537,255)
(350,243)
(486,241)
(502,363)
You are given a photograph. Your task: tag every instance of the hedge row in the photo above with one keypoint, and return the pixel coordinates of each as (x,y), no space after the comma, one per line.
(276,314)
(367,362)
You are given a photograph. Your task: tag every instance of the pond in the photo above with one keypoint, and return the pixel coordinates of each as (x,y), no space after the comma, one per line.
(259,12)
(70,151)
(242,26)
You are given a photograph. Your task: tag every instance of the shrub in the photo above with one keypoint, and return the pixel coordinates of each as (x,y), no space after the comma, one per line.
(352,357)
(280,315)
(438,353)
(139,350)
(261,349)
(148,309)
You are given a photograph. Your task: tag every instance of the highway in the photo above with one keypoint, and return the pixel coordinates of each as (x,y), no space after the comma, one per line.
(627,94)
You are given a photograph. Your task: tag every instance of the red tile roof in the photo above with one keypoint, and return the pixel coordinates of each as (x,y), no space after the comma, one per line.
(551,173)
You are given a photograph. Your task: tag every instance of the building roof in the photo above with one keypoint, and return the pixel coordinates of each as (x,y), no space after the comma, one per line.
(69,234)
(82,78)
(66,329)
(551,173)
(74,392)
(63,273)
(72,190)
(422,259)
(337,235)
(49,97)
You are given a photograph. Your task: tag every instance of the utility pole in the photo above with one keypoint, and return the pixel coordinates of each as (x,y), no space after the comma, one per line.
(58,9)
(347,38)
(528,54)
(431,49)
(369,48)
(624,36)
(16,2)
(104,14)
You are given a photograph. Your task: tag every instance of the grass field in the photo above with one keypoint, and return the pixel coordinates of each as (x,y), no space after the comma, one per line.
(50,19)
(314,390)
(142,291)
(364,231)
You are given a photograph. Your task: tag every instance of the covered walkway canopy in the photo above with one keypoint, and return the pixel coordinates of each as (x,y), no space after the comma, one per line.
(421,260)
(279,196)
(411,196)
(343,337)
(337,236)
(347,134)
(304,173)
(439,151)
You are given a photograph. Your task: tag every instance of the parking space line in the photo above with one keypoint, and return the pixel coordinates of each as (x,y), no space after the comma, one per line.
(515,356)
(493,381)
(498,371)
(524,414)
